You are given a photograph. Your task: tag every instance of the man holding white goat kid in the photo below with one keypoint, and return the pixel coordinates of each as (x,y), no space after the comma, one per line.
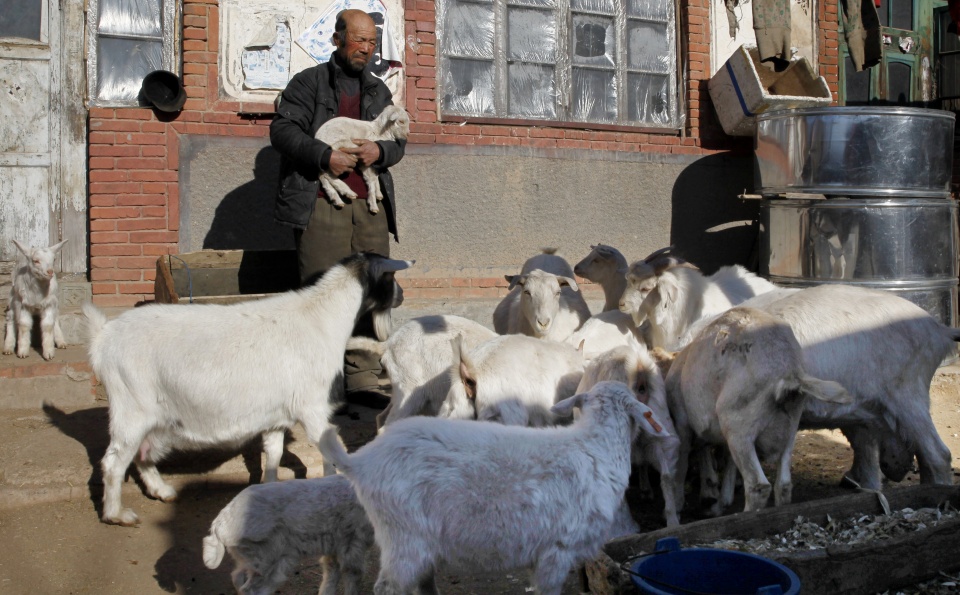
(327,229)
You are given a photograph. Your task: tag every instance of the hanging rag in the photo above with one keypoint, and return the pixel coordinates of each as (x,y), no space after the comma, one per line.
(734,24)
(861,29)
(771,23)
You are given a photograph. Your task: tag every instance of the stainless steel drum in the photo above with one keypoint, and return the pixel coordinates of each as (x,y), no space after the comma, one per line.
(906,246)
(855,151)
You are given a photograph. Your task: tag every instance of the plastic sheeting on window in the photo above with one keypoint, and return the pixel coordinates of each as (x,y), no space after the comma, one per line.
(130,17)
(532,90)
(128,40)
(560,60)
(122,65)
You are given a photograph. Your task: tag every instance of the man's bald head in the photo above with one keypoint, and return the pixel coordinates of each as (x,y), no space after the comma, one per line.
(355,35)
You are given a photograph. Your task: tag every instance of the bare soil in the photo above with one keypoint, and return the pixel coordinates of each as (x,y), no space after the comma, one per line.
(61,547)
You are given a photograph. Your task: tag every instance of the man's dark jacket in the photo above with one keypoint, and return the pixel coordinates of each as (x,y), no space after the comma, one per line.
(309,100)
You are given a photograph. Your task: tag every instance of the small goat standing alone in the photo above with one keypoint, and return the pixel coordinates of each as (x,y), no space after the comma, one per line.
(34,293)
(393,123)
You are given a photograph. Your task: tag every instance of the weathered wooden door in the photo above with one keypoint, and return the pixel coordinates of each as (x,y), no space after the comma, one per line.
(43,128)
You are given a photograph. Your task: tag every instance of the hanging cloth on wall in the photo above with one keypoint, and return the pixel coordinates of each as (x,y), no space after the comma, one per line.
(732,21)
(861,29)
(771,23)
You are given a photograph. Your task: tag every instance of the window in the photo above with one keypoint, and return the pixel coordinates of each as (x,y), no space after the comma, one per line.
(591,61)
(128,40)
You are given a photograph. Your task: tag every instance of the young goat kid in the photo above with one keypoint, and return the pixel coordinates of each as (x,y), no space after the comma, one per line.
(269,528)
(393,123)
(196,376)
(34,293)
(488,497)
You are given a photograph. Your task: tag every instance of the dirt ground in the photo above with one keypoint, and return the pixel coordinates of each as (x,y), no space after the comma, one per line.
(61,547)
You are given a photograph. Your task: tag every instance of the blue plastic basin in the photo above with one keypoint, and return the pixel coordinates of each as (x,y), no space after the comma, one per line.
(676,571)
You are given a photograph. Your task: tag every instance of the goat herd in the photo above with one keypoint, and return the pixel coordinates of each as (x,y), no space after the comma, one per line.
(724,368)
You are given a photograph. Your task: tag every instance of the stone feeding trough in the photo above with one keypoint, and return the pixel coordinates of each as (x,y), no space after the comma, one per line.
(889,560)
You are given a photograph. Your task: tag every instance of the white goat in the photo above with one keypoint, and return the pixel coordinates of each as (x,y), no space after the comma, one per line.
(677,297)
(393,123)
(488,497)
(606,266)
(196,376)
(884,350)
(741,383)
(269,528)
(417,357)
(544,300)
(604,331)
(633,366)
(34,293)
(511,379)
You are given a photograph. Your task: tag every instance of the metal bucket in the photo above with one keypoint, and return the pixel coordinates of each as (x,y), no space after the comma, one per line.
(906,246)
(855,151)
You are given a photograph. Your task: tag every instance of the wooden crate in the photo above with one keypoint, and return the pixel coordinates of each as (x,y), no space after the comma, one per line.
(224,276)
(839,570)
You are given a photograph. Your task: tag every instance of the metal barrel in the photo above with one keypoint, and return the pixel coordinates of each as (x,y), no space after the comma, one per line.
(906,246)
(855,151)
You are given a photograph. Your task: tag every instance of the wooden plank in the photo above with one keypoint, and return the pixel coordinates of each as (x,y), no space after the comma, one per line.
(164,290)
(224,273)
(770,521)
(877,566)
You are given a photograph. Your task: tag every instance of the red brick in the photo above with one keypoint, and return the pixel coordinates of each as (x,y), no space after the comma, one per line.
(113,151)
(115,125)
(141,163)
(113,187)
(114,249)
(114,275)
(141,199)
(114,213)
(103,288)
(159,249)
(142,288)
(141,224)
(108,176)
(152,237)
(136,262)
(103,225)
(100,163)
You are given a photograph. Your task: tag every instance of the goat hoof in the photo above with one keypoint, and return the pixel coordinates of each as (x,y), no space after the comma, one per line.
(22,355)
(126,518)
(165,494)
(48,355)
(7,351)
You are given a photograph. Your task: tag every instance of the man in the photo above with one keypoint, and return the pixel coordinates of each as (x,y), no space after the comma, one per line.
(324,234)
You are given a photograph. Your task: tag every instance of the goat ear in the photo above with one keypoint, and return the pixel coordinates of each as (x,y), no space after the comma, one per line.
(657,254)
(580,346)
(570,282)
(565,407)
(57,246)
(645,419)
(22,249)
(515,280)
(382,266)
(669,290)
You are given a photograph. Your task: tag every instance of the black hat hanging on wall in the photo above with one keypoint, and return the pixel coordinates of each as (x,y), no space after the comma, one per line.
(163,90)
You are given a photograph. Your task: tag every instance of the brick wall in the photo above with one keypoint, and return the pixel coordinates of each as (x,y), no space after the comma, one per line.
(134,161)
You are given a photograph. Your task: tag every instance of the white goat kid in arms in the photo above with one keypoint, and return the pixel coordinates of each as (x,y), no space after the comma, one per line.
(34,293)
(392,124)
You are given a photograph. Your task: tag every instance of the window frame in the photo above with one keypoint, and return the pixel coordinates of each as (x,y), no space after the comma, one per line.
(565,66)
(170,18)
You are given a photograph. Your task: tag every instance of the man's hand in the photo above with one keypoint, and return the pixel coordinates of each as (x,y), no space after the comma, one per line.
(341,162)
(367,152)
